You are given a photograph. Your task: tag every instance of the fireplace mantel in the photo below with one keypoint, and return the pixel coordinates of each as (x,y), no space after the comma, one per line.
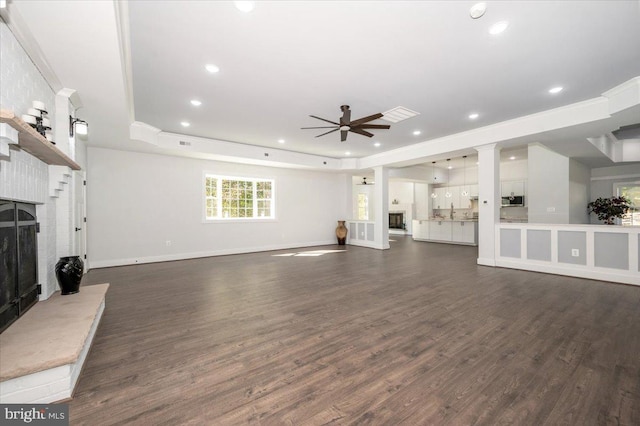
(35,144)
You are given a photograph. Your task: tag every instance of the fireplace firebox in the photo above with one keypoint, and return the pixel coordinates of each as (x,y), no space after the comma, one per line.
(396,220)
(18,260)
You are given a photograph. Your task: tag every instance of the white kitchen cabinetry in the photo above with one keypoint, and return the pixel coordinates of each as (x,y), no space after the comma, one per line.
(513,187)
(463,232)
(465,200)
(459,201)
(444,202)
(440,202)
(440,230)
(455,197)
(420,229)
(446,231)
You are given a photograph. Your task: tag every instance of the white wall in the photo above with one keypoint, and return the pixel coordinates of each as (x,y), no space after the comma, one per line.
(548,186)
(603,178)
(422,197)
(137,202)
(514,170)
(459,176)
(400,191)
(579,192)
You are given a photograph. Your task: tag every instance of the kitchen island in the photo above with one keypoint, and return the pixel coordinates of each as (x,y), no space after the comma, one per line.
(451,231)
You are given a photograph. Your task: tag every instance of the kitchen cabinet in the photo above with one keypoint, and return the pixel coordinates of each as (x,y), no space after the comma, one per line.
(455,197)
(463,232)
(440,202)
(420,229)
(514,187)
(446,231)
(459,201)
(473,191)
(465,200)
(440,230)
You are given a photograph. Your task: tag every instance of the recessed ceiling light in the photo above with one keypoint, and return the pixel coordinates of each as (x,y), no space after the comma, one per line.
(347,153)
(477,10)
(212,68)
(450,167)
(185,124)
(195,102)
(245,6)
(280,140)
(377,144)
(512,157)
(555,90)
(473,116)
(416,132)
(498,27)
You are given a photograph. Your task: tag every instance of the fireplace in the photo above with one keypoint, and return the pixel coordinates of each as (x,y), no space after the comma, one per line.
(18,268)
(396,220)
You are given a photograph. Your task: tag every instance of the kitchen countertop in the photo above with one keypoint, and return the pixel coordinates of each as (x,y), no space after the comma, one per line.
(514,219)
(447,220)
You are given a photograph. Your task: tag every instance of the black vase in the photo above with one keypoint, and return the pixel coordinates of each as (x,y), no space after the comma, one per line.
(69,272)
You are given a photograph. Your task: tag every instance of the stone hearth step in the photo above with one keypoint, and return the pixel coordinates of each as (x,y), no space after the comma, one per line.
(42,353)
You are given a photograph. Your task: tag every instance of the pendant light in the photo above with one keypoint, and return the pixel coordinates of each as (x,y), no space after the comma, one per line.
(465,192)
(433,179)
(448,193)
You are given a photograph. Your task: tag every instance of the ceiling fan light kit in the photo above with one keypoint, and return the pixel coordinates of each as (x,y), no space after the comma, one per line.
(345,124)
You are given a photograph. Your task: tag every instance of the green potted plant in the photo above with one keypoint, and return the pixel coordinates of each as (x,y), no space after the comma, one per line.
(607,209)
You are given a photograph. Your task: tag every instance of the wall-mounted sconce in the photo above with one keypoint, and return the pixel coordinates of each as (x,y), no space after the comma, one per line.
(81,126)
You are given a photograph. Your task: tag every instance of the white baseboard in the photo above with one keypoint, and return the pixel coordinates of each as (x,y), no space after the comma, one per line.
(367,244)
(602,274)
(486,261)
(194,255)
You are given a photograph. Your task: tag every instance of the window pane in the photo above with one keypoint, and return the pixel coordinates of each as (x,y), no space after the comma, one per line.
(632,193)
(237,198)
(363,207)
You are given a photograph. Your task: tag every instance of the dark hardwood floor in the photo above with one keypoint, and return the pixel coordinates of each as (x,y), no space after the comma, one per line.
(416,335)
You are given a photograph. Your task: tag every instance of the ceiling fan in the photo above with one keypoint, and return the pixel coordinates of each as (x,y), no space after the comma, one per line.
(346,125)
(364,182)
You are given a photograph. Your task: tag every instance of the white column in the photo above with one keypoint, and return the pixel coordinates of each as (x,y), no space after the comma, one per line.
(381,191)
(488,202)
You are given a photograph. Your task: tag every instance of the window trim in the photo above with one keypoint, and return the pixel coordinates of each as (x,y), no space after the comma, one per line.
(257,219)
(617,189)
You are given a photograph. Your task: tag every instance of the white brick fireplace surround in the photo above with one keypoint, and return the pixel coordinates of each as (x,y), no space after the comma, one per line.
(27,179)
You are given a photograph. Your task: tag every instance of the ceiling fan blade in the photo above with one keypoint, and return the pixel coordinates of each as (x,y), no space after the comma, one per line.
(321,127)
(367,119)
(361,132)
(346,117)
(343,135)
(330,131)
(373,126)
(328,121)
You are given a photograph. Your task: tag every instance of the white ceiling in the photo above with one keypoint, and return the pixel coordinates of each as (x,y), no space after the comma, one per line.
(286,60)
